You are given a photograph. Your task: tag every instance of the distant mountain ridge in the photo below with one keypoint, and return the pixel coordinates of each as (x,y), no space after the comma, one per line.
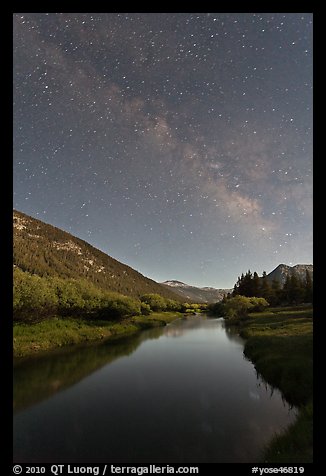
(46,250)
(283,270)
(195,294)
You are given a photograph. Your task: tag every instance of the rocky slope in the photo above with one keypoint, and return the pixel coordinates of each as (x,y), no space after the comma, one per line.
(195,294)
(283,270)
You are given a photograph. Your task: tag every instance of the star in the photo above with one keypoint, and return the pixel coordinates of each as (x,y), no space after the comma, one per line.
(190,129)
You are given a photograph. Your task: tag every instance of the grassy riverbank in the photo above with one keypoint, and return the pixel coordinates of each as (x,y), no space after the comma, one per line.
(279,343)
(56,332)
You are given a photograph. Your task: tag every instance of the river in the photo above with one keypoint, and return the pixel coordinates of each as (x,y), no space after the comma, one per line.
(179,394)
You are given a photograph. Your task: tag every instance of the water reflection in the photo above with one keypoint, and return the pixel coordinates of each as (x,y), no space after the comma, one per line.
(37,379)
(179,394)
(232,333)
(42,376)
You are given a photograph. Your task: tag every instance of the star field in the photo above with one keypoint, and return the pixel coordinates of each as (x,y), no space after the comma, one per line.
(178,143)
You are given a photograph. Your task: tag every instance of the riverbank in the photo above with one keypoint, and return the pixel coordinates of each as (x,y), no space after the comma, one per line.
(50,334)
(279,343)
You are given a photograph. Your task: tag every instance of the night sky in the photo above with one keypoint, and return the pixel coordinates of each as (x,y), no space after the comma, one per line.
(177,143)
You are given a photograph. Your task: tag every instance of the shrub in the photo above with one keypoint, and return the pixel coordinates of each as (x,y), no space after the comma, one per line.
(32,296)
(172,305)
(69,299)
(155,301)
(185,306)
(259,304)
(145,309)
(36,296)
(117,306)
(217,309)
(238,307)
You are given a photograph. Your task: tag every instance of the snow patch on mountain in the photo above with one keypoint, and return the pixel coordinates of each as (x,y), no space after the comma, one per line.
(176,284)
(196,294)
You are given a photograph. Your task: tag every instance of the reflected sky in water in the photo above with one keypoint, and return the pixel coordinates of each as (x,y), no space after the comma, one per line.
(180,394)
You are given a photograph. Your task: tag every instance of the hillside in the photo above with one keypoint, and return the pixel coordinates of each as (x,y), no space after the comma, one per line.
(195,294)
(283,270)
(45,250)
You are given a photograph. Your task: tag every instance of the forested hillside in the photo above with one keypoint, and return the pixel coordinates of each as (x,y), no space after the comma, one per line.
(45,250)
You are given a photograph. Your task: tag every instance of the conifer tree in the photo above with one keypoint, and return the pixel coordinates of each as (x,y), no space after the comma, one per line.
(308,287)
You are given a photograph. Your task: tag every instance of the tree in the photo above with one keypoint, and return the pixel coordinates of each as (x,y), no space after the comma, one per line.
(308,287)
(237,286)
(275,293)
(286,292)
(255,285)
(297,289)
(244,285)
(265,290)
(293,289)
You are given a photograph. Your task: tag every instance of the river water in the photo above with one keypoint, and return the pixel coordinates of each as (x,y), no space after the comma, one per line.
(179,394)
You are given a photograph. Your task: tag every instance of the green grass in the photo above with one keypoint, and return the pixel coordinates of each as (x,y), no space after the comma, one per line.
(279,343)
(57,332)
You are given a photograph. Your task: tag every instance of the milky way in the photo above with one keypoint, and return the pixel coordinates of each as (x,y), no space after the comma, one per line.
(178,143)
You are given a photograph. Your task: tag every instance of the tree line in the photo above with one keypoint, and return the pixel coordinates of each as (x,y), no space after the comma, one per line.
(294,290)
(252,293)
(36,297)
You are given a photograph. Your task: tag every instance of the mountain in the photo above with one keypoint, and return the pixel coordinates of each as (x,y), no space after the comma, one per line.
(283,270)
(194,294)
(45,250)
